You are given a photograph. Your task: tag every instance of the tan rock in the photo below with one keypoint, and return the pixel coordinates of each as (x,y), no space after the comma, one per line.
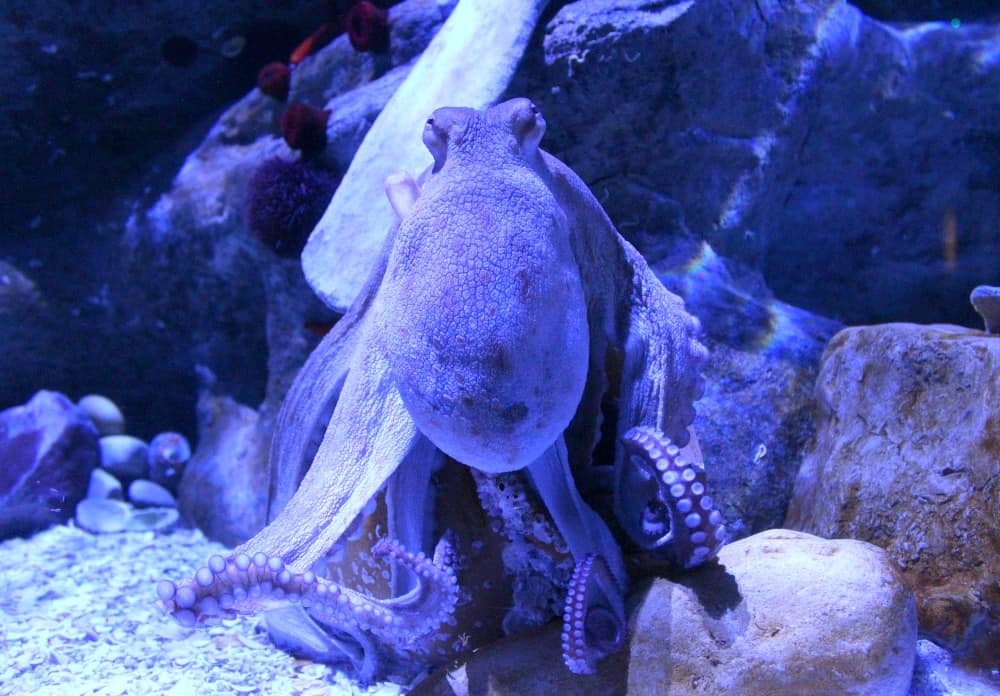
(907,456)
(786,614)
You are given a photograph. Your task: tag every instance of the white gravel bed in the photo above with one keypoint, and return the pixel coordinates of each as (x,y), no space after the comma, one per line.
(79,615)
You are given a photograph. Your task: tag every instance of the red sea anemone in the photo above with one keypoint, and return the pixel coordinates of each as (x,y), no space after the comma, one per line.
(285,200)
(304,128)
(368,27)
(274,79)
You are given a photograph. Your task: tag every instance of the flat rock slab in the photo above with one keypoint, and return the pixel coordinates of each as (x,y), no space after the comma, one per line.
(907,456)
(347,240)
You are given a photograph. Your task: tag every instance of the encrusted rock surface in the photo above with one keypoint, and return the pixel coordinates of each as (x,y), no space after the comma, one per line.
(827,150)
(782,614)
(48,447)
(182,281)
(907,456)
(755,416)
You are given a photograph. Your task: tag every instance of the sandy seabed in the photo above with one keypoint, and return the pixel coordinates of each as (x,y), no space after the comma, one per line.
(79,615)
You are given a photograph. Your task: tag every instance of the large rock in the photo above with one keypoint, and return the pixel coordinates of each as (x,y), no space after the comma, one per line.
(823,148)
(90,97)
(224,489)
(48,448)
(757,411)
(182,281)
(758,140)
(784,614)
(907,456)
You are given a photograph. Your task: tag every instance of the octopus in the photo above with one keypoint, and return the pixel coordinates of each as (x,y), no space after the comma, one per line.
(504,315)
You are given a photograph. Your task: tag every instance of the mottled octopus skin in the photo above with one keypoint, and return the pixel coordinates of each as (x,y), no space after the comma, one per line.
(485,333)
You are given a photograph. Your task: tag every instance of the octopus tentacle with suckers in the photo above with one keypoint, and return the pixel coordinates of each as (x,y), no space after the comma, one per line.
(504,316)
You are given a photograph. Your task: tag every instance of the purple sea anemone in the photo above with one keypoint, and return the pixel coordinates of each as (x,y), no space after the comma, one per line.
(285,200)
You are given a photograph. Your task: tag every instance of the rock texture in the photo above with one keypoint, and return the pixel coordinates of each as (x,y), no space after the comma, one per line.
(930,10)
(89,97)
(224,487)
(787,614)
(182,281)
(805,140)
(907,456)
(48,448)
(784,614)
(757,411)
(752,422)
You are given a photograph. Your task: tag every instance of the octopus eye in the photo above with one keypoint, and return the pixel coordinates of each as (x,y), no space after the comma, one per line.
(436,140)
(529,127)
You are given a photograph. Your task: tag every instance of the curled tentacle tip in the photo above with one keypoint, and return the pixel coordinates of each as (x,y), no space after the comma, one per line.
(680,519)
(592,630)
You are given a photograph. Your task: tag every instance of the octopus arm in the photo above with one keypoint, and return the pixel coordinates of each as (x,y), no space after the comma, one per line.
(312,397)
(678,516)
(601,266)
(663,358)
(594,614)
(630,311)
(369,436)
(583,529)
(243,584)
(410,506)
(635,319)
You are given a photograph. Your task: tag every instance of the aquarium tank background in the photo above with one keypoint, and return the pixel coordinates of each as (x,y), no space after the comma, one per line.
(467,346)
